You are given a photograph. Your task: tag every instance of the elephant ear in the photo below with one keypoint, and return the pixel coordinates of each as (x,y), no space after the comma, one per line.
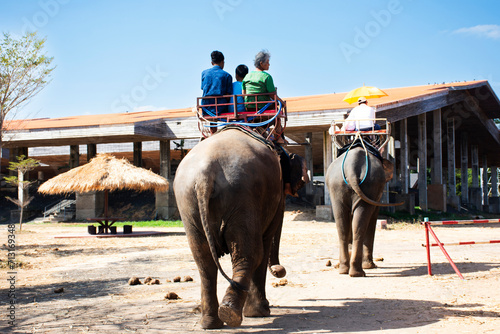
(388,169)
(298,172)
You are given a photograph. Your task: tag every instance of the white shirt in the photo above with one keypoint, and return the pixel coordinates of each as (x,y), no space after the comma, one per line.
(361,112)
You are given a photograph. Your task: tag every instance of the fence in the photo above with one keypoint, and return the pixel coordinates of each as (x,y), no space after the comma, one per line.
(428,230)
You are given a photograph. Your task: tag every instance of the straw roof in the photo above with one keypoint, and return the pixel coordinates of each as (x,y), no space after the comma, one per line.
(104,172)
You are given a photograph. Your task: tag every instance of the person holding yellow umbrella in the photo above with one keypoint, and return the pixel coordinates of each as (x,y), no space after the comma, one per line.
(361,117)
(363,113)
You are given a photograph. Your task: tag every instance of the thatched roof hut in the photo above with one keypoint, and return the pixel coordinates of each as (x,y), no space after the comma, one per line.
(104,172)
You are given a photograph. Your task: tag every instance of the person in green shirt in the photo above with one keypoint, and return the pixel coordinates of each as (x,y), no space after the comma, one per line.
(258,81)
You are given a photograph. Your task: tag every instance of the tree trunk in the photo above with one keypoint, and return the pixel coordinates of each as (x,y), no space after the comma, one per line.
(21,218)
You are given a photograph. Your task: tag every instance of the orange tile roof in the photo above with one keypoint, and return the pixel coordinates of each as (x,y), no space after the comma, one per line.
(394,95)
(294,104)
(96,120)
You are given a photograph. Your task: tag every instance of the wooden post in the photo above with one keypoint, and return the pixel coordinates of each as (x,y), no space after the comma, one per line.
(464,166)
(452,180)
(422,161)
(327,160)
(475,165)
(165,157)
(13,154)
(475,189)
(405,167)
(74,156)
(494,181)
(486,202)
(391,150)
(437,163)
(309,163)
(138,154)
(165,201)
(91,151)
(390,155)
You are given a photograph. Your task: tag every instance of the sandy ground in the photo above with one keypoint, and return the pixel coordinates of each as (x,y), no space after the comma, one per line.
(397,297)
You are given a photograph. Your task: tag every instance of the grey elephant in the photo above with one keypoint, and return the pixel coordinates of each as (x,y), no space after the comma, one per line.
(356,181)
(229,192)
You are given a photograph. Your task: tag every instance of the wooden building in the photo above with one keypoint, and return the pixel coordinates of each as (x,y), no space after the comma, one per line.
(444,128)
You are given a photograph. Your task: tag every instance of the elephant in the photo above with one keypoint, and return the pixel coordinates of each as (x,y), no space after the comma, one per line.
(355,205)
(229,193)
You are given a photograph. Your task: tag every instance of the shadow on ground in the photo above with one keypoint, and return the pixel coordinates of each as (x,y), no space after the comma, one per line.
(437,269)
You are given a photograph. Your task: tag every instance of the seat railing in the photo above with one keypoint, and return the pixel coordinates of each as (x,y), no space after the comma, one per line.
(222,110)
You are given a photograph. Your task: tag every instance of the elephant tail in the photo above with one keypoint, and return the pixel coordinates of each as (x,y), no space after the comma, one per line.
(354,183)
(274,266)
(204,190)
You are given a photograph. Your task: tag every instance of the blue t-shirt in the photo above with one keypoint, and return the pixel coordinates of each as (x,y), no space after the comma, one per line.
(237,90)
(215,82)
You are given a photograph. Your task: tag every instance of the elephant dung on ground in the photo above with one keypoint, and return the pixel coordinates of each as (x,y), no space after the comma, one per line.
(229,192)
(355,205)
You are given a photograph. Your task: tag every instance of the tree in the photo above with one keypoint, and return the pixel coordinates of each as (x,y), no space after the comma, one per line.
(23,165)
(24,71)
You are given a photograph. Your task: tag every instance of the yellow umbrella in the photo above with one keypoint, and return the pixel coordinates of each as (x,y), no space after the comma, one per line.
(367,92)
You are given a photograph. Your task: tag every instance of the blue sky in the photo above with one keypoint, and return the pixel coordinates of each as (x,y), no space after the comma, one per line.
(115,56)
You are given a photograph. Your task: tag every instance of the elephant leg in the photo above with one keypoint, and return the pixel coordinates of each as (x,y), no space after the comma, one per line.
(343,222)
(208,275)
(256,304)
(369,241)
(246,253)
(360,220)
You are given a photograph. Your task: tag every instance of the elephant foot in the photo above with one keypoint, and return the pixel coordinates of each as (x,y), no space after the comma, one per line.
(356,273)
(257,309)
(278,271)
(343,269)
(230,316)
(230,310)
(211,322)
(369,265)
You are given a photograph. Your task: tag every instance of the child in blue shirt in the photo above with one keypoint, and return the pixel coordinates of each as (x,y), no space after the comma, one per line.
(240,72)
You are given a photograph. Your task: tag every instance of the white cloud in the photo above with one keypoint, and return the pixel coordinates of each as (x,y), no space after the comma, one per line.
(485,30)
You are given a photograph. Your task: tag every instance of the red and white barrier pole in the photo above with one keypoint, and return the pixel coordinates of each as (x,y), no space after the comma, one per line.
(427,226)
(457,222)
(440,244)
(467,243)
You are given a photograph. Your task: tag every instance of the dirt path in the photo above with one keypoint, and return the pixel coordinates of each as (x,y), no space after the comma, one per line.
(397,297)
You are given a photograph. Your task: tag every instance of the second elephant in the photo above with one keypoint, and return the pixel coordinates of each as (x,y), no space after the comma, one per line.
(355,205)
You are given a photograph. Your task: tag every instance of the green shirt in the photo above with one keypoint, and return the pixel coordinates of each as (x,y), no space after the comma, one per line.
(257,82)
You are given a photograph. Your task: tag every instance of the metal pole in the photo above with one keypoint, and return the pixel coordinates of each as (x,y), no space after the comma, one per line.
(445,253)
(428,248)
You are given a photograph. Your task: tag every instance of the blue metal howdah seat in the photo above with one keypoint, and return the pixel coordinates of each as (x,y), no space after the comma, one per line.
(267,117)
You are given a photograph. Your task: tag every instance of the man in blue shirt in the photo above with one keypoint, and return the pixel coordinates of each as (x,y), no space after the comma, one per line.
(216,82)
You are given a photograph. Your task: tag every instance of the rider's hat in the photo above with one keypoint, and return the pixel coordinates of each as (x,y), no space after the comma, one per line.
(362,99)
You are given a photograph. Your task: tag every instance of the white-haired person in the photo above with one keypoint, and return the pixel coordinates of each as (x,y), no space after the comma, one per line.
(258,81)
